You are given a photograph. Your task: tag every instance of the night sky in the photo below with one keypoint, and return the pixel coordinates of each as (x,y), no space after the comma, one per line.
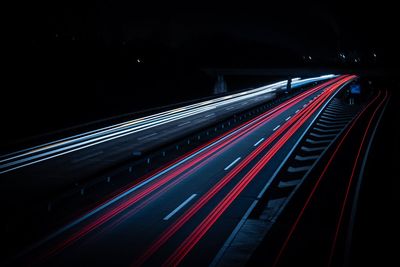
(67,64)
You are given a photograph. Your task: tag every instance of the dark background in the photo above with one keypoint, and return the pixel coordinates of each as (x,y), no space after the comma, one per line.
(69,63)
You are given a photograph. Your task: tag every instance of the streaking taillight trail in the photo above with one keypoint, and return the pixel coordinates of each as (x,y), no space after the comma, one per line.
(350,182)
(167,177)
(301,117)
(317,183)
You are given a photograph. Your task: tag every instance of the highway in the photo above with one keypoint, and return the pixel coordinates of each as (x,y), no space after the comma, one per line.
(183,213)
(180,117)
(55,165)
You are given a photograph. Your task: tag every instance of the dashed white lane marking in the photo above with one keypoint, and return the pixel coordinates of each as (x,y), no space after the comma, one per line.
(259,141)
(166,218)
(179,125)
(233,163)
(146,136)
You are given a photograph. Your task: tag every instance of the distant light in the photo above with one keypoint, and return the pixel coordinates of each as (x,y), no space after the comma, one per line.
(374,55)
(56,35)
(309,57)
(355,60)
(138,60)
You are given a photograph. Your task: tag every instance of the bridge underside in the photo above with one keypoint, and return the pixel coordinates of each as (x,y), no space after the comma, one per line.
(303,72)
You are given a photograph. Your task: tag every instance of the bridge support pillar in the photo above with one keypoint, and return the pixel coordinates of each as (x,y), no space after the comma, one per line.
(220,85)
(289,84)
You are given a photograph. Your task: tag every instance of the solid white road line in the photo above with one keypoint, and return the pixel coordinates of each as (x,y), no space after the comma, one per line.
(166,218)
(259,141)
(233,163)
(209,115)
